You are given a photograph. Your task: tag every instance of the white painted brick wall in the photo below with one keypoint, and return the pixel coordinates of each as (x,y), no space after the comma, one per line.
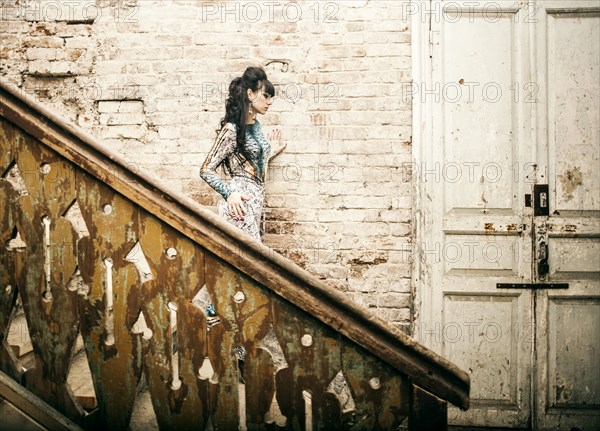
(150,78)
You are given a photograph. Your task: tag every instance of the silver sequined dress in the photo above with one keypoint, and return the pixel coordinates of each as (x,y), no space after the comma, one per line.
(247,176)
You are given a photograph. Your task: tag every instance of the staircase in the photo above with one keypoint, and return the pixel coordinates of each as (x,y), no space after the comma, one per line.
(125,305)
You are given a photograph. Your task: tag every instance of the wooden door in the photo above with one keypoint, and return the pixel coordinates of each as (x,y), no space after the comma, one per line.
(506,102)
(567,354)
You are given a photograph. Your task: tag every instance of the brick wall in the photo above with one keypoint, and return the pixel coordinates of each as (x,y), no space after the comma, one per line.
(150,78)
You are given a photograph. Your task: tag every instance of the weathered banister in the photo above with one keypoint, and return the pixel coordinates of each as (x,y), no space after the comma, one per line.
(228,333)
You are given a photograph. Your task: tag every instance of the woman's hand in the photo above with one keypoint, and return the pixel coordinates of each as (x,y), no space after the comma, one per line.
(277,144)
(235,205)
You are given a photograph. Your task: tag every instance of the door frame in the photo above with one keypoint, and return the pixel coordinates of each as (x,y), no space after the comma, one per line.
(421,134)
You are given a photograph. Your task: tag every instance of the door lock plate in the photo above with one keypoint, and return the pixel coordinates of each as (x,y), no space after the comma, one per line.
(541,196)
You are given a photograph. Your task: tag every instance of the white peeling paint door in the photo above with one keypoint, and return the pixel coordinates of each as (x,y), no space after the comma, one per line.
(506,98)
(567,356)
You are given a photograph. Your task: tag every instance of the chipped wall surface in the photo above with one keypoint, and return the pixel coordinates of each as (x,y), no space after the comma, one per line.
(150,79)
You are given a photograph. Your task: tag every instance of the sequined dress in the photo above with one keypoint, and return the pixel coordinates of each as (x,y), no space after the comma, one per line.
(247,176)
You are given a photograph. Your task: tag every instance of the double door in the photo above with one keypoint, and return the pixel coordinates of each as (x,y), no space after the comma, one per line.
(507,267)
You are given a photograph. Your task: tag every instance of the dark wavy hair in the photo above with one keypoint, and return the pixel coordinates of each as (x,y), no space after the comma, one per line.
(238,104)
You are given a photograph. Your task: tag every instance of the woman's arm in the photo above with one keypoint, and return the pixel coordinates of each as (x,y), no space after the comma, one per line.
(223,146)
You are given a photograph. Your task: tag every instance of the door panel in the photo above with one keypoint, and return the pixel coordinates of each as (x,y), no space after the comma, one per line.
(479,336)
(574,258)
(474,255)
(479,141)
(479,229)
(573,46)
(567,377)
(572,355)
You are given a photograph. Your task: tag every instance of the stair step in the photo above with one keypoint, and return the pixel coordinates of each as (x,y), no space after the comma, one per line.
(80,378)
(18,336)
(79,345)
(27,361)
(143,417)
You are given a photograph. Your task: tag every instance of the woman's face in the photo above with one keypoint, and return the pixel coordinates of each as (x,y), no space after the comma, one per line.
(260,100)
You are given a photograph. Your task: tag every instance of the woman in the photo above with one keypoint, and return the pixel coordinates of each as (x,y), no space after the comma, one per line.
(243,150)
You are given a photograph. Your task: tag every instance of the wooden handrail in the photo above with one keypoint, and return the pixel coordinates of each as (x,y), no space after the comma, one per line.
(425,368)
